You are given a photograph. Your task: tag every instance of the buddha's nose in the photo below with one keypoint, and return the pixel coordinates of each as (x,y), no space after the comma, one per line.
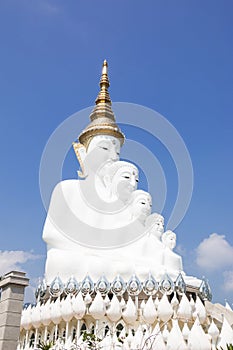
(133,182)
(113,155)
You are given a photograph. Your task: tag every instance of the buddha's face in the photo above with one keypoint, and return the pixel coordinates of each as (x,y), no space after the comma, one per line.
(159,225)
(124,182)
(170,240)
(155,224)
(142,204)
(102,149)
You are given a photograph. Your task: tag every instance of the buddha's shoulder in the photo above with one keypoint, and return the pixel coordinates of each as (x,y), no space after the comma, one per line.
(66,185)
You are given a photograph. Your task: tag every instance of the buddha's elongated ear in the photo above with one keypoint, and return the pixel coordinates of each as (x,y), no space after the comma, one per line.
(80,152)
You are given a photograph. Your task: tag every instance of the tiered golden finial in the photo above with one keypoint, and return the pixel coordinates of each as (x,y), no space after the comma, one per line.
(104,96)
(103,121)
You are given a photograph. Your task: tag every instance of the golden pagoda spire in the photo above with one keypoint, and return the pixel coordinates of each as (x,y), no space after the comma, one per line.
(103,96)
(103,121)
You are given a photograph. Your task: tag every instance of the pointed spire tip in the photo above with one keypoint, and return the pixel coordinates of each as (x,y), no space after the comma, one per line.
(105,68)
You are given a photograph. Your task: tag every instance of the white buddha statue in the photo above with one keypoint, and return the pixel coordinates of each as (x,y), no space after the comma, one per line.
(172,262)
(149,249)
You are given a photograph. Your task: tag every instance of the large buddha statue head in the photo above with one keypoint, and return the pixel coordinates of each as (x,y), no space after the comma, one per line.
(140,205)
(102,149)
(120,179)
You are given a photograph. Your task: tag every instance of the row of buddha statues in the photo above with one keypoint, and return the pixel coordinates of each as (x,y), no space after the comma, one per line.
(102,224)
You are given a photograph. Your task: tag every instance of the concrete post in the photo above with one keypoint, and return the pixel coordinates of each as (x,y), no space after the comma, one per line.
(12,287)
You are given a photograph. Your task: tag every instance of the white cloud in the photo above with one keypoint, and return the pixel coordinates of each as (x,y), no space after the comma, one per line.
(228,281)
(12,260)
(214,253)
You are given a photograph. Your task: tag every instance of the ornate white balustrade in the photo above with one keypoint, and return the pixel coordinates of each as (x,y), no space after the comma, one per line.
(121,315)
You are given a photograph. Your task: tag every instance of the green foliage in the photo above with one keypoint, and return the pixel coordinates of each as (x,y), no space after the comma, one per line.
(91,339)
(45,345)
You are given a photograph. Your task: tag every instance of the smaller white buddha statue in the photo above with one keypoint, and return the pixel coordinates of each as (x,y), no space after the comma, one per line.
(169,239)
(140,205)
(172,262)
(155,225)
(149,248)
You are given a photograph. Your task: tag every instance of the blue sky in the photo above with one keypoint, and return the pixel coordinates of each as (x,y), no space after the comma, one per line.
(175,57)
